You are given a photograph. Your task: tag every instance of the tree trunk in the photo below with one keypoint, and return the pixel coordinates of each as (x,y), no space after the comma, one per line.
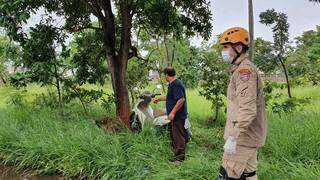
(159,69)
(287,77)
(117,58)
(121,93)
(59,94)
(58,83)
(217,113)
(117,62)
(167,50)
(251,29)
(173,48)
(161,82)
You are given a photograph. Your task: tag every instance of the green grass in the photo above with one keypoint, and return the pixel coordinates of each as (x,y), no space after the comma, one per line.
(45,141)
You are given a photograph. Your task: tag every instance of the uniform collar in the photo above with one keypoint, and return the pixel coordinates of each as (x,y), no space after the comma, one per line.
(242,60)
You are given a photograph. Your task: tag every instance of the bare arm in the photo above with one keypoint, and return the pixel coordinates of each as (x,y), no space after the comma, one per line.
(178,105)
(158,99)
(162,98)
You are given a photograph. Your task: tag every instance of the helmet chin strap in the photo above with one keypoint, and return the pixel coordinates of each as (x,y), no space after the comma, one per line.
(238,55)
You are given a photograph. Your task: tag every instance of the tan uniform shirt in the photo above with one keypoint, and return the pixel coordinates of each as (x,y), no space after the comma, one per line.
(246,117)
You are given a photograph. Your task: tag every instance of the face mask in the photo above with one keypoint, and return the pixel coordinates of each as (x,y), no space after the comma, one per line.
(226,56)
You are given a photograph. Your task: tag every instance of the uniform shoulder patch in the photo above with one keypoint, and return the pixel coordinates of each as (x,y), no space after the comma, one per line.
(245,73)
(245,70)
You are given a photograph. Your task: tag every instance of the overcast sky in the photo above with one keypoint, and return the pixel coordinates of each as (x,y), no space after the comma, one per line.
(302,15)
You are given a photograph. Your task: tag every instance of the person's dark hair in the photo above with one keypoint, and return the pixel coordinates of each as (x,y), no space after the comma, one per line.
(170,71)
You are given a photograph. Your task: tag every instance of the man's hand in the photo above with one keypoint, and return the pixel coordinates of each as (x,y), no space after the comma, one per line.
(176,108)
(171,116)
(158,99)
(230,145)
(155,100)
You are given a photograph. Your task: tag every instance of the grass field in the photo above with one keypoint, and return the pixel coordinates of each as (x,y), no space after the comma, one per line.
(45,141)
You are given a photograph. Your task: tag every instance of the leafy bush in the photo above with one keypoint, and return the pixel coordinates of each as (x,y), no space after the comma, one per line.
(108,103)
(137,77)
(289,105)
(20,80)
(188,68)
(17,98)
(49,99)
(214,81)
(268,89)
(75,91)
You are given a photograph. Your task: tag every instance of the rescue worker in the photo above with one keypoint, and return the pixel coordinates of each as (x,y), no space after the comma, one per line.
(176,105)
(246,125)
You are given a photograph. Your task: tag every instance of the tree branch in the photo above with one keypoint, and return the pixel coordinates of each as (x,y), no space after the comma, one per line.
(108,26)
(96,10)
(105,5)
(134,53)
(78,29)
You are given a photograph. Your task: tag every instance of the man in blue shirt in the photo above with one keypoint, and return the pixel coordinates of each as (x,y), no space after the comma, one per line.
(176,105)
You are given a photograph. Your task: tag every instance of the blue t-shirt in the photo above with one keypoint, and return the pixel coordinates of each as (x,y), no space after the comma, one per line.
(176,91)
